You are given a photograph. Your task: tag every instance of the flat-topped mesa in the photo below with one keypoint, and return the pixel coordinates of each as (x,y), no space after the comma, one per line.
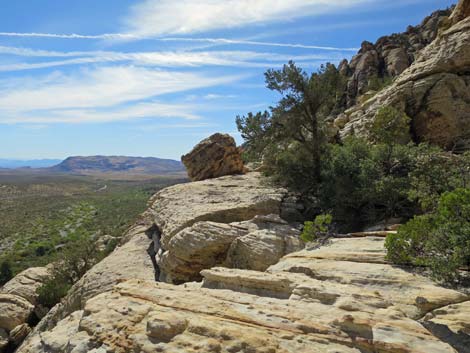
(213,157)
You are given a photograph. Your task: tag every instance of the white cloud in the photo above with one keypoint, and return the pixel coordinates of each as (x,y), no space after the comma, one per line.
(162,17)
(102,94)
(163,59)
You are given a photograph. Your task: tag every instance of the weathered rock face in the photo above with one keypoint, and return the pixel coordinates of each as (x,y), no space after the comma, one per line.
(223,200)
(214,157)
(389,56)
(199,229)
(434,91)
(341,297)
(18,299)
(254,244)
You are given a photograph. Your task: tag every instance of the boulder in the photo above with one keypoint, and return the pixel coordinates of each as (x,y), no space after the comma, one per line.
(262,248)
(26,283)
(14,311)
(214,157)
(255,244)
(18,301)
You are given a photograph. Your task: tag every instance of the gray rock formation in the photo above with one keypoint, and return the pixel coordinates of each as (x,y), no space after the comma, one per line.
(214,157)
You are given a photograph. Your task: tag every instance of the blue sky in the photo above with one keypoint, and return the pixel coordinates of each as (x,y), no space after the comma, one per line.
(153,77)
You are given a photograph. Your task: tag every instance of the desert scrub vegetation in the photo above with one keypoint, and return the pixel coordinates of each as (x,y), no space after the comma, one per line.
(38,223)
(439,240)
(360,182)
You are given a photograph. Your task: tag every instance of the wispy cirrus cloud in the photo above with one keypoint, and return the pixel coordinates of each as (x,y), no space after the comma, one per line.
(216,41)
(103,94)
(163,17)
(162,59)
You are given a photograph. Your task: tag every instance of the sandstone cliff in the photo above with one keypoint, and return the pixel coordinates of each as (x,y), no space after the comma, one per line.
(389,56)
(434,91)
(340,297)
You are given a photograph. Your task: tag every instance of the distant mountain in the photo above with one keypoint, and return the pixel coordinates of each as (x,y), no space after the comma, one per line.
(118,164)
(35,163)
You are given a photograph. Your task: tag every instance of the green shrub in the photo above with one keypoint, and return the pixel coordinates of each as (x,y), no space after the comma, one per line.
(76,259)
(363,183)
(319,227)
(390,126)
(436,172)
(440,240)
(52,291)
(377,83)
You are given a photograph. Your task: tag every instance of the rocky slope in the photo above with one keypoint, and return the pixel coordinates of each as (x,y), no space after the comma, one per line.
(434,91)
(340,297)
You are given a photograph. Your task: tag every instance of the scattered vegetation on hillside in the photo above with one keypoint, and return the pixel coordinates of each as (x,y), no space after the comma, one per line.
(42,216)
(361,182)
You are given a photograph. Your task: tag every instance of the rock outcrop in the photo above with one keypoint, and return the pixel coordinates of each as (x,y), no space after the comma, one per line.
(213,157)
(18,301)
(434,91)
(197,226)
(389,56)
(341,297)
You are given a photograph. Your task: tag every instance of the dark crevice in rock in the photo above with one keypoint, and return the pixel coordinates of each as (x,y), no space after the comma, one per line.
(459,341)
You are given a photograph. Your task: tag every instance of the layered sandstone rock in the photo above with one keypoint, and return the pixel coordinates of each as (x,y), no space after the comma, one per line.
(214,157)
(255,244)
(434,91)
(18,301)
(336,298)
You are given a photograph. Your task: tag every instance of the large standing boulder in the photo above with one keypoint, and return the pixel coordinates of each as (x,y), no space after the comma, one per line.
(214,157)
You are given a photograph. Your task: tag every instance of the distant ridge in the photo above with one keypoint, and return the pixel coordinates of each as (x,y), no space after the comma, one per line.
(118,164)
(33,163)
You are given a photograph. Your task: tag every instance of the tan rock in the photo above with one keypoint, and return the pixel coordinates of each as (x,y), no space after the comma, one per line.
(19,333)
(214,157)
(262,248)
(14,311)
(126,262)
(144,316)
(223,200)
(26,283)
(451,324)
(359,262)
(255,244)
(433,91)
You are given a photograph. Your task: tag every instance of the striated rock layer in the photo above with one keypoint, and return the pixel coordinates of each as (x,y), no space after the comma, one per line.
(337,298)
(18,305)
